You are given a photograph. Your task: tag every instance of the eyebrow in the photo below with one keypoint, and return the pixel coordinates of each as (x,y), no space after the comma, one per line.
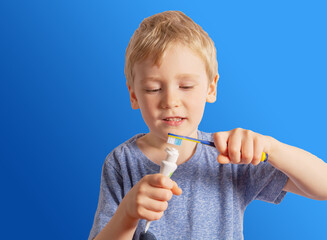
(178,76)
(154,79)
(187,76)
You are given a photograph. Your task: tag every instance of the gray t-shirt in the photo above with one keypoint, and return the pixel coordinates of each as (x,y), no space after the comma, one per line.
(214,196)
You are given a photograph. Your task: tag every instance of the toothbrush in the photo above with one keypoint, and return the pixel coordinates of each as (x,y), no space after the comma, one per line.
(177,140)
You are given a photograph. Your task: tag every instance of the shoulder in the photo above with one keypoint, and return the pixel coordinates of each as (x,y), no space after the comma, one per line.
(119,156)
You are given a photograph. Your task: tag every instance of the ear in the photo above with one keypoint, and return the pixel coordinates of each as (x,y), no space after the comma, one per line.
(134,102)
(212,90)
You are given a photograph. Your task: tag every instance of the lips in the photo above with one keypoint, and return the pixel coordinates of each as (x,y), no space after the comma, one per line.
(174,121)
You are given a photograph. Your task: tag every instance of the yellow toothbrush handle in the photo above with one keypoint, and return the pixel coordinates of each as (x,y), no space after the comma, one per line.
(264,157)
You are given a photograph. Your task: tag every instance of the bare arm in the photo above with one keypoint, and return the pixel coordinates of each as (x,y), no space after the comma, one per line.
(121,226)
(307,173)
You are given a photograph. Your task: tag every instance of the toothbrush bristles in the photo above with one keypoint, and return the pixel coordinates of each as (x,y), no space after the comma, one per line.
(174,141)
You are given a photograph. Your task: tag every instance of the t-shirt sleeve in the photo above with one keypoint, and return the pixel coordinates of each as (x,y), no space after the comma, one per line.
(111,194)
(262,182)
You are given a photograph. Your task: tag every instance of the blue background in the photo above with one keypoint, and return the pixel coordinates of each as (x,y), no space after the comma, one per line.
(65,106)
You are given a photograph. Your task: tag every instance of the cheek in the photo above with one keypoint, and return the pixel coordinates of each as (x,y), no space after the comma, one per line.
(200,107)
(198,98)
(147,108)
(143,100)
(196,104)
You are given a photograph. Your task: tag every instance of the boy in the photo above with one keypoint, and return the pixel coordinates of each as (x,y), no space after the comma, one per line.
(171,71)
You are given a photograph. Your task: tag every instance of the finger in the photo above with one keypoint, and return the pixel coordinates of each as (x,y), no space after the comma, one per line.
(220,139)
(160,194)
(155,205)
(149,215)
(257,151)
(159,180)
(247,149)
(222,159)
(234,147)
(176,190)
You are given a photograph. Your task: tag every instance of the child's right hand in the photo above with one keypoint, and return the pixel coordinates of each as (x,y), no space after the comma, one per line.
(148,199)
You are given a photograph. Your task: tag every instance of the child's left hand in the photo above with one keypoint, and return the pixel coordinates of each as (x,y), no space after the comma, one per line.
(241,146)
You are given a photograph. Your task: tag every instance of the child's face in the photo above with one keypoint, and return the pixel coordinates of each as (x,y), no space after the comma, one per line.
(172,96)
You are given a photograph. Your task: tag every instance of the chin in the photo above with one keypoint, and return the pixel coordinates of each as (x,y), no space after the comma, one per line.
(183,132)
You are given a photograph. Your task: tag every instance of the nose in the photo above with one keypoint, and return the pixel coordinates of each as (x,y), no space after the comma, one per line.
(170,99)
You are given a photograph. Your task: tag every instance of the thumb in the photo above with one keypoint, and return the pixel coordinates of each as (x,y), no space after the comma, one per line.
(222,159)
(176,190)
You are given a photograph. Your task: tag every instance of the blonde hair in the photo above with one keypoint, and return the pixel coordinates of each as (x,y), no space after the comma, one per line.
(157,32)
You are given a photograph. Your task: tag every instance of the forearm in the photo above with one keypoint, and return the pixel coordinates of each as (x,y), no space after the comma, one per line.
(120,227)
(306,171)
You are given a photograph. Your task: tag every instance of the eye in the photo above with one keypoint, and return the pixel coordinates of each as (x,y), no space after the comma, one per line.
(186,87)
(152,90)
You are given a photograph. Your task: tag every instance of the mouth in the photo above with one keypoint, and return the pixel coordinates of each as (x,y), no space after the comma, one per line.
(174,121)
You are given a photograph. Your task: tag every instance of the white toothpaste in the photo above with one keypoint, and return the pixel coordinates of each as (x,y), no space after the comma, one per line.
(167,168)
